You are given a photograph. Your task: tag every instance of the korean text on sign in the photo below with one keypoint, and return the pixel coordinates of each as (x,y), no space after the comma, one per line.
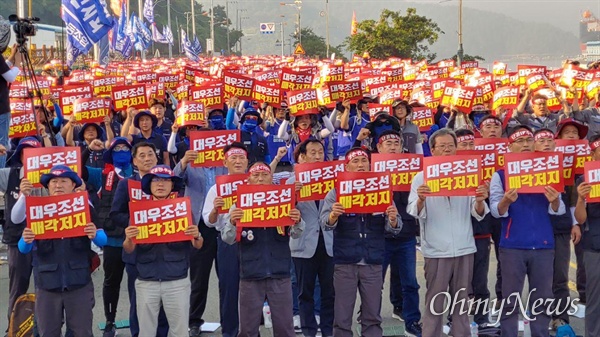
(227,186)
(40,160)
(266,205)
(210,144)
(532,172)
(592,177)
(575,155)
(402,168)
(161,221)
(61,216)
(364,192)
(129,96)
(22,125)
(488,161)
(457,175)
(498,145)
(317,179)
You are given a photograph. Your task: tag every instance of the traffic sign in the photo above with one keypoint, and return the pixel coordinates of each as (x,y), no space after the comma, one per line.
(299,50)
(267,28)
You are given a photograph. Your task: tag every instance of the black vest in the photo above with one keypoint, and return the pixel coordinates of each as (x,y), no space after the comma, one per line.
(591,237)
(409,223)
(562,224)
(12,231)
(107,195)
(62,264)
(162,261)
(264,253)
(256,145)
(357,237)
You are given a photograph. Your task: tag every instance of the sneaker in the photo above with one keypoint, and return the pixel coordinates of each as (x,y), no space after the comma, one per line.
(397,314)
(414,329)
(109,330)
(318,319)
(195,331)
(297,325)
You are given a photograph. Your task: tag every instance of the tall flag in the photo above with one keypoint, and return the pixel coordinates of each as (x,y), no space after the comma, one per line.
(149,11)
(197,46)
(168,34)
(143,36)
(86,23)
(121,39)
(354,26)
(157,36)
(188,47)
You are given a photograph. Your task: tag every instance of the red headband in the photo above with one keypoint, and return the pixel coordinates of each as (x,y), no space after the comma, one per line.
(260,167)
(235,150)
(465,138)
(390,136)
(543,134)
(595,145)
(354,154)
(519,134)
(490,121)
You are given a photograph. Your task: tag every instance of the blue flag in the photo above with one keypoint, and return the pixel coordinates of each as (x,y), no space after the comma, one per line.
(86,23)
(197,46)
(149,11)
(188,47)
(157,36)
(168,34)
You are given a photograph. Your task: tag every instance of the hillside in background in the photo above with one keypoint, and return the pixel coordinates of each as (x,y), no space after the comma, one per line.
(485,33)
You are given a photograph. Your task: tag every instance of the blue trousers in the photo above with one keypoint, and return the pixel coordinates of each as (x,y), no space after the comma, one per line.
(228,271)
(401,256)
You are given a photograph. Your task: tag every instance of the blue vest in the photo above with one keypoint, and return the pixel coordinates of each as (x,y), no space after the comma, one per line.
(264,253)
(162,261)
(357,237)
(591,237)
(528,224)
(62,264)
(256,145)
(275,142)
(346,139)
(563,224)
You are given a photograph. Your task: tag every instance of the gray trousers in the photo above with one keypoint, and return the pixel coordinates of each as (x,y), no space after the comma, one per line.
(368,279)
(77,306)
(560,281)
(175,299)
(592,309)
(19,274)
(278,293)
(442,275)
(537,265)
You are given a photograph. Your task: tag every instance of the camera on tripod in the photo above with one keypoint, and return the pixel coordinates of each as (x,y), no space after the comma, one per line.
(23,27)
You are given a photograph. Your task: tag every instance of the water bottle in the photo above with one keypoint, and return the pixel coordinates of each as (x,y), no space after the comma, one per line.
(267,316)
(474,329)
(526,326)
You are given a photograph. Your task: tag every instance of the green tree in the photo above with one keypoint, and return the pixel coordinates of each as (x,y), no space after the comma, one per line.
(395,35)
(468,57)
(315,46)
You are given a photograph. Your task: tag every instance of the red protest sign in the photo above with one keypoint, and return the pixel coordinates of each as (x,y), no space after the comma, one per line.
(375,108)
(191,113)
(58,217)
(125,96)
(266,205)
(390,95)
(364,192)
(592,176)
(302,102)
(170,80)
(317,178)
(269,76)
(210,145)
(423,118)
(155,90)
(459,97)
(525,70)
(536,82)
(18,90)
(144,76)
(506,97)
(91,110)
(402,167)
(498,145)
(67,98)
(575,153)
(457,175)
(267,92)
(103,86)
(211,95)
(499,68)
(22,124)
(40,160)
(532,172)
(236,85)
(227,186)
(161,221)
(488,161)
(19,105)
(339,91)
(332,73)
(296,80)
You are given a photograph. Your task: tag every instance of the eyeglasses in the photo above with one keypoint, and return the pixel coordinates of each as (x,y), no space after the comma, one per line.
(445,146)
(521,141)
(121,148)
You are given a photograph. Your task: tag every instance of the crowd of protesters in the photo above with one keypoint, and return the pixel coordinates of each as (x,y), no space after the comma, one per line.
(307,273)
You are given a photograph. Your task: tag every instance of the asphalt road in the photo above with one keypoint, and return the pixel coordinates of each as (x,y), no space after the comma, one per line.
(212,311)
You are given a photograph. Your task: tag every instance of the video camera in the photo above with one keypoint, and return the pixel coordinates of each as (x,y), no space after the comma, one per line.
(23,27)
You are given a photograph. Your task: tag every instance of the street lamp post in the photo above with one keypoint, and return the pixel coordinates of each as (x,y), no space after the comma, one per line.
(298,5)
(238,25)
(242,18)
(187,23)
(193,17)
(460,53)
(327,24)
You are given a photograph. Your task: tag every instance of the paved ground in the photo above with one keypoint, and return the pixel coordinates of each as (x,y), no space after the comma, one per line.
(212,311)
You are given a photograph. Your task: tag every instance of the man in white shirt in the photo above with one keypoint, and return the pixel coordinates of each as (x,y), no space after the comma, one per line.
(447,243)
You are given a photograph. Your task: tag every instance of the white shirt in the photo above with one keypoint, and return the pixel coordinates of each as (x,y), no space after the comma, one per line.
(209,204)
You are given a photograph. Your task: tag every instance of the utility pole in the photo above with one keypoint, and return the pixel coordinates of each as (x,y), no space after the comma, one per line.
(187,23)
(228,26)
(193,17)
(169,25)
(282,38)
(460,53)
(141,11)
(327,25)
(212,26)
